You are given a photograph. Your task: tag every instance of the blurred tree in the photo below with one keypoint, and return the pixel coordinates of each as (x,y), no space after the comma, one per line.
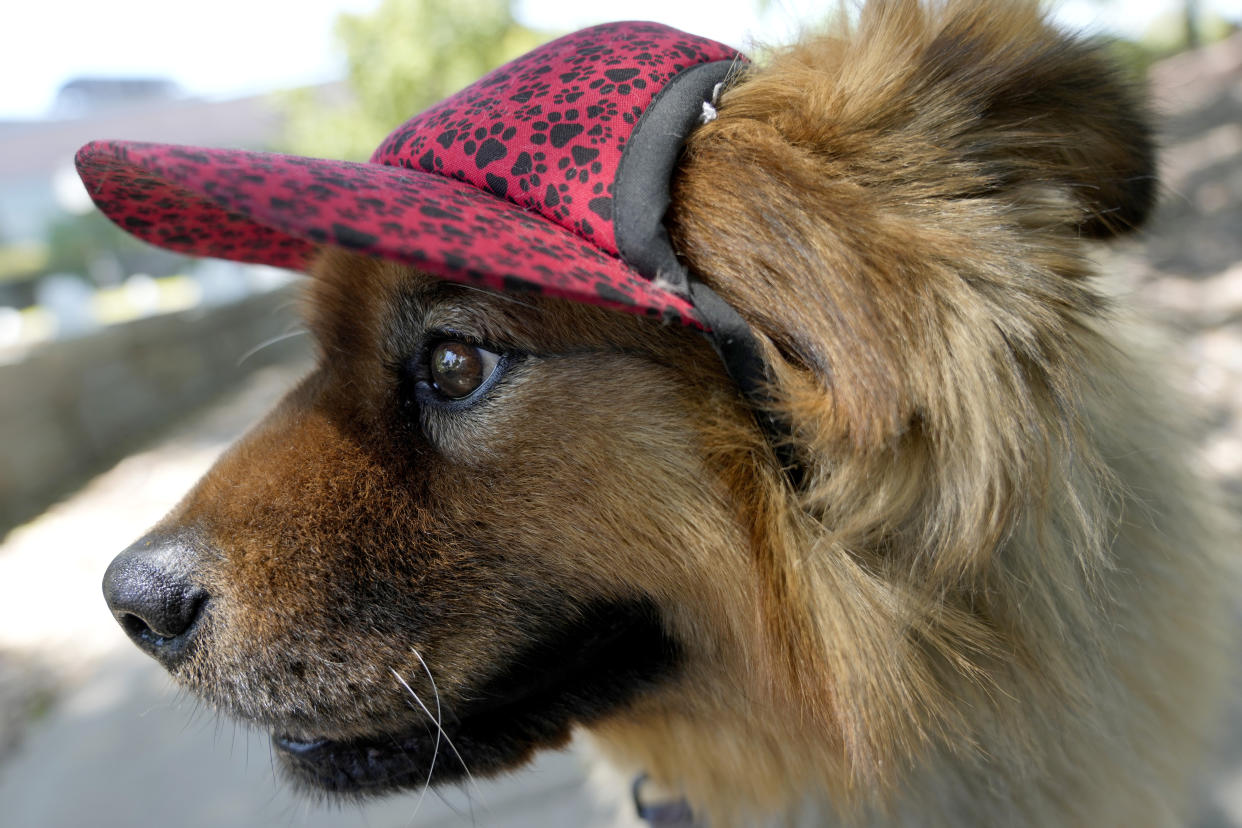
(1174,32)
(76,242)
(1167,34)
(1190,18)
(401,59)
(89,245)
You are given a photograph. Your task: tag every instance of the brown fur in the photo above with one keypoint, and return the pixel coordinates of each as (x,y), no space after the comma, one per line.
(995,601)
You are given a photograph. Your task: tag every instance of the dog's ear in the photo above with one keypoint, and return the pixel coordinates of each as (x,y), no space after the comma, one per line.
(1030,106)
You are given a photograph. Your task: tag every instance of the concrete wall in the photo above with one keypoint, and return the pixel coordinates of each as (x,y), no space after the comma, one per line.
(73,407)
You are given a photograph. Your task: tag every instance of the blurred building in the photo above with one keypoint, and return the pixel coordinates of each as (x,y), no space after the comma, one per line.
(36,157)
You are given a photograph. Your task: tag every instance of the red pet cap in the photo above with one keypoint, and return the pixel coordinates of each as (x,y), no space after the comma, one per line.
(529,179)
(548,175)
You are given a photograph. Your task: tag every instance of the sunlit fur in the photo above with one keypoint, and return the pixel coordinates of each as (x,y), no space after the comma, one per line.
(998,592)
(994,602)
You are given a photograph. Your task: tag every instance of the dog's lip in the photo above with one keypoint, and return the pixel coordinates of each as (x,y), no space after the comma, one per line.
(370,765)
(297,746)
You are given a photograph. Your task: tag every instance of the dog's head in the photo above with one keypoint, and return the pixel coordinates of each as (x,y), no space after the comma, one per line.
(496,516)
(486,518)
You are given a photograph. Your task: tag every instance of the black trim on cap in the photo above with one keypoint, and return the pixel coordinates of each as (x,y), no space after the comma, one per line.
(640,199)
(641,189)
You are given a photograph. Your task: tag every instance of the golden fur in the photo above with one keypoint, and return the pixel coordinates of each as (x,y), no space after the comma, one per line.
(994,602)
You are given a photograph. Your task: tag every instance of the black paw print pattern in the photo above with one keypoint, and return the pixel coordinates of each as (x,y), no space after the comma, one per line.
(573,102)
(508,184)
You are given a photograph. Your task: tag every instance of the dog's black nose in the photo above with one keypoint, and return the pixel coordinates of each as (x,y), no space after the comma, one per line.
(151,590)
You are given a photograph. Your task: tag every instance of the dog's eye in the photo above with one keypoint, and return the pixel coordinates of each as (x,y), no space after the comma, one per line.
(459,369)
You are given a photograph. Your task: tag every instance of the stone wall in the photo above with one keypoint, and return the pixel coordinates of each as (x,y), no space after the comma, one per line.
(71,408)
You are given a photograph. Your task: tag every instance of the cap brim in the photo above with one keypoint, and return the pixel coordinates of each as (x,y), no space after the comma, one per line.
(274,209)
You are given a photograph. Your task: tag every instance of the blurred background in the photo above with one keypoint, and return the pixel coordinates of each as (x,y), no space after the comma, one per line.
(125,370)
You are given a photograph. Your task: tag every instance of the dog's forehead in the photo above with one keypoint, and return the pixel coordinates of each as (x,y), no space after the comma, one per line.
(358,304)
(355,304)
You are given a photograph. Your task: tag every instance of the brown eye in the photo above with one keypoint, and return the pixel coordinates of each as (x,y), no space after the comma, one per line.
(458,369)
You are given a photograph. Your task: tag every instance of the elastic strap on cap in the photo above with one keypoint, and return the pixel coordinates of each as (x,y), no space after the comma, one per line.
(668,813)
(739,350)
(641,198)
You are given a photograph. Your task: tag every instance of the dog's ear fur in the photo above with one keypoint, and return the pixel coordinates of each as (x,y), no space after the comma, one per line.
(1000,90)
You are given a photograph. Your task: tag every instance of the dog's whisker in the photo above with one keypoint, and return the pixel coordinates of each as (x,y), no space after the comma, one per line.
(435,751)
(438,792)
(497,295)
(271,759)
(269,342)
(439,718)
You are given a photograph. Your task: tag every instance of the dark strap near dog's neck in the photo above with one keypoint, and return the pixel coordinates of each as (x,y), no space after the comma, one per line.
(641,197)
(669,813)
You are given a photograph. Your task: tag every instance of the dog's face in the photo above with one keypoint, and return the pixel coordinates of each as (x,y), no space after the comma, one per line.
(487,514)
(486,519)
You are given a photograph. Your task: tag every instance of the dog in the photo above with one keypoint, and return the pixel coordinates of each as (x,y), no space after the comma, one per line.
(909,537)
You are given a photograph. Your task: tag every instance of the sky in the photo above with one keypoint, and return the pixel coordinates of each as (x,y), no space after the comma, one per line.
(208,50)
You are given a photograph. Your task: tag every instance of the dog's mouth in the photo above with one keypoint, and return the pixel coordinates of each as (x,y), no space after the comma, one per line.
(576,672)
